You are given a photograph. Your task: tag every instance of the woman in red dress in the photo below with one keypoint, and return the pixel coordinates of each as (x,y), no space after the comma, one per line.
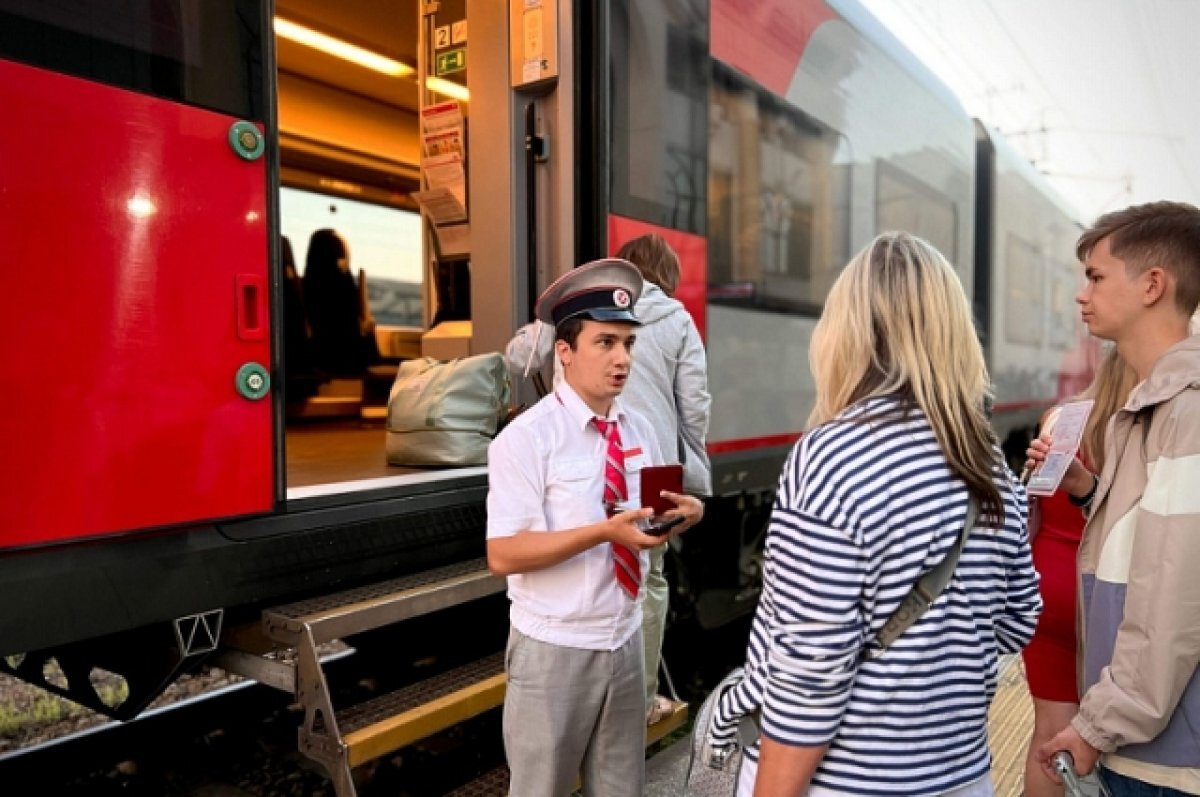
(1050,663)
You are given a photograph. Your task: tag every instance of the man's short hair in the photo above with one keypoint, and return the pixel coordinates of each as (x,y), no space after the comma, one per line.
(568,330)
(1163,234)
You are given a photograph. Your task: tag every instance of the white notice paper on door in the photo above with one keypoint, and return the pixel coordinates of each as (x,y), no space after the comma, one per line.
(1065,435)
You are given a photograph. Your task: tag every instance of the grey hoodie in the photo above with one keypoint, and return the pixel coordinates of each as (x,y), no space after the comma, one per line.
(668,383)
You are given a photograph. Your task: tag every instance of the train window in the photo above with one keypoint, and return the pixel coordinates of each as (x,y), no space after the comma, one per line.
(1024,306)
(202,52)
(779,204)
(659,112)
(1063,313)
(384,242)
(902,202)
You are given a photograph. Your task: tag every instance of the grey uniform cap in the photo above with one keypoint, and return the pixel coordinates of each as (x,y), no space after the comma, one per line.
(603,290)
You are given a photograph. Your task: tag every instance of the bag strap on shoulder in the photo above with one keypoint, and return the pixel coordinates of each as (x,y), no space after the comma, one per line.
(924,592)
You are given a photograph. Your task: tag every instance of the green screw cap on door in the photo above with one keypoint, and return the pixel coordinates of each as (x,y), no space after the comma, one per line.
(253,381)
(246,140)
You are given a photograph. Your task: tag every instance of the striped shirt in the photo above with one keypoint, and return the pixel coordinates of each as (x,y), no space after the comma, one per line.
(863,510)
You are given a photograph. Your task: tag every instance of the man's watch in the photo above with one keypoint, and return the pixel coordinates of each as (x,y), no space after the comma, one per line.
(1086,498)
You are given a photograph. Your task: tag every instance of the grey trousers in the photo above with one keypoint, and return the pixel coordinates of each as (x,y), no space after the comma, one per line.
(571,712)
(655,595)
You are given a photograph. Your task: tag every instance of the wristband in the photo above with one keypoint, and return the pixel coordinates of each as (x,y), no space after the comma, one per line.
(1087,497)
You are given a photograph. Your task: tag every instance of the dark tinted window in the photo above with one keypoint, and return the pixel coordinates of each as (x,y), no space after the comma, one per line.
(660,112)
(202,52)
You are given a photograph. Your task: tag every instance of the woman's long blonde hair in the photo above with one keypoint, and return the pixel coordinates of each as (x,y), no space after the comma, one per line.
(897,323)
(1110,388)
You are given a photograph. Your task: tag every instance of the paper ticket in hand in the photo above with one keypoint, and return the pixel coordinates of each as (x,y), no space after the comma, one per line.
(1065,434)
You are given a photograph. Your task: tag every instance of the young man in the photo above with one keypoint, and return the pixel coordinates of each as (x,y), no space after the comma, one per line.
(565,523)
(1139,562)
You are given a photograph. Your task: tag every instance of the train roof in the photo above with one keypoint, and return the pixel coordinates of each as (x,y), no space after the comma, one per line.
(1005,153)
(858,17)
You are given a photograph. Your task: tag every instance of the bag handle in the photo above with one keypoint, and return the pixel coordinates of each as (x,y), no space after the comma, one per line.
(924,592)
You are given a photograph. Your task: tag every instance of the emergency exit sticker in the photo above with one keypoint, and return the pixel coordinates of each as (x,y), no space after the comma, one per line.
(451,61)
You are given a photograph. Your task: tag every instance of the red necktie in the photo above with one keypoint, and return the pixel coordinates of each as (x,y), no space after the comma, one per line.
(627,566)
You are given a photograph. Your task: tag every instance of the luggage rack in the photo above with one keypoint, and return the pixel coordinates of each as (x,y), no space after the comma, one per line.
(340,739)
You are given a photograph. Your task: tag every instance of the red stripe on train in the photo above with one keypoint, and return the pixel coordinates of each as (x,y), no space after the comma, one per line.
(777,440)
(765,39)
(1017,406)
(747,443)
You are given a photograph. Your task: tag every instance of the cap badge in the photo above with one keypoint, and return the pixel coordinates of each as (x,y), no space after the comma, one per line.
(621,297)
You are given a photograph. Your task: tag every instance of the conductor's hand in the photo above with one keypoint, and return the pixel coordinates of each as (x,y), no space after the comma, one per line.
(690,507)
(625,528)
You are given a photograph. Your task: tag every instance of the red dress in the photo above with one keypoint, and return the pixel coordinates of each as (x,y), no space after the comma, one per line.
(1050,663)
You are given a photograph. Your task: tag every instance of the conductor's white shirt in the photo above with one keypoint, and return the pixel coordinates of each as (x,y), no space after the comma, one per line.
(546,473)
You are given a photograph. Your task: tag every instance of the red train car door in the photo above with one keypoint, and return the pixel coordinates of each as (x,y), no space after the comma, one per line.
(135,346)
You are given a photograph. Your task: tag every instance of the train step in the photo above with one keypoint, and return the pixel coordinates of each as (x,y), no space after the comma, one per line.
(668,724)
(339,739)
(377,605)
(490,784)
(495,783)
(388,722)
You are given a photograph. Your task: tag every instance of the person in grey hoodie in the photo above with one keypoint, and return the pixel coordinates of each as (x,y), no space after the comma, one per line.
(668,385)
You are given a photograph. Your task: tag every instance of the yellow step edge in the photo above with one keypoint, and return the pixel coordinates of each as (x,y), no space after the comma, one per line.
(667,724)
(379,739)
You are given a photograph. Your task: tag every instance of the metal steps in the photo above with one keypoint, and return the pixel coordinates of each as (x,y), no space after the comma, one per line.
(491,784)
(342,738)
(668,724)
(378,605)
(495,783)
(389,722)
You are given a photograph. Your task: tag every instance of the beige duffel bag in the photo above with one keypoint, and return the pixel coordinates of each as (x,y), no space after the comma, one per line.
(446,413)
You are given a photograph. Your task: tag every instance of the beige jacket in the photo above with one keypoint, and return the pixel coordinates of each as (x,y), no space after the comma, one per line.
(1139,567)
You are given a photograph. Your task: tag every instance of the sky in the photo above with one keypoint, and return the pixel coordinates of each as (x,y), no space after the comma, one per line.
(1101,95)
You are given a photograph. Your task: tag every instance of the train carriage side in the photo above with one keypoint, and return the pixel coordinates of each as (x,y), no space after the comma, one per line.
(1026,279)
(859,139)
(154,488)
(768,142)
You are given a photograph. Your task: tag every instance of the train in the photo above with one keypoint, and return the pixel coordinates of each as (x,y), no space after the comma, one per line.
(168,476)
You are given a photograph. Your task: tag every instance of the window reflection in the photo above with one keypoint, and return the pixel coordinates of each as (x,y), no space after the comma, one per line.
(905,203)
(659,95)
(1024,265)
(779,200)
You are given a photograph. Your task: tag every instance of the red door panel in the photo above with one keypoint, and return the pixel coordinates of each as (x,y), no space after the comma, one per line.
(133,275)
(693,261)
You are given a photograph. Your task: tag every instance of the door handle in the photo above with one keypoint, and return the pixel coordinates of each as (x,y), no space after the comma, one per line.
(251,307)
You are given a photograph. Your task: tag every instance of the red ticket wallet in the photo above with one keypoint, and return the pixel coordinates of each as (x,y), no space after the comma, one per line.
(655,480)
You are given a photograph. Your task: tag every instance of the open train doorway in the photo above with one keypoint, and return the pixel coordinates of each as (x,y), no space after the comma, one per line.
(362,285)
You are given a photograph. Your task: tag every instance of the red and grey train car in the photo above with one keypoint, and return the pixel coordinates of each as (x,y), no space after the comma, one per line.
(155,478)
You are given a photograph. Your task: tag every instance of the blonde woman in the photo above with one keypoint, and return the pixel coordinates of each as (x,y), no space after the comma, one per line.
(1050,656)
(872,497)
